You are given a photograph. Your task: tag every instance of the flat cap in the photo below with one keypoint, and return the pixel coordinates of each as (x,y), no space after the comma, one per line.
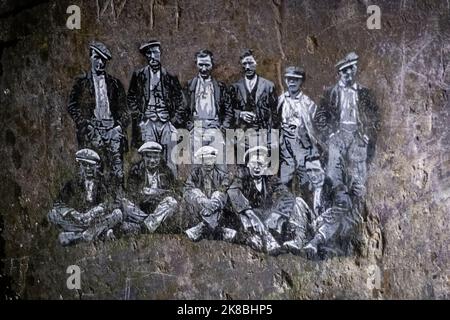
(294,72)
(87,155)
(206,152)
(101,49)
(150,146)
(350,59)
(148,44)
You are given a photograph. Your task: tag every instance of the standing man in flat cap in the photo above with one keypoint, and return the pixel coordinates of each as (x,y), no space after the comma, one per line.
(98,106)
(84,209)
(155,98)
(348,122)
(151,189)
(254,101)
(205,193)
(269,213)
(208,103)
(298,137)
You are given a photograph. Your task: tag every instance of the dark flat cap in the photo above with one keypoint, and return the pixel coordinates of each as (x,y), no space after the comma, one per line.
(143,48)
(350,59)
(246,53)
(294,72)
(87,155)
(101,49)
(150,146)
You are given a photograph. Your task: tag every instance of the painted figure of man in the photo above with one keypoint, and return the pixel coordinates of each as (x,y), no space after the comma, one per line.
(151,190)
(98,106)
(254,102)
(84,209)
(348,121)
(298,137)
(155,98)
(269,213)
(205,193)
(316,199)
(334,227)
(208,103)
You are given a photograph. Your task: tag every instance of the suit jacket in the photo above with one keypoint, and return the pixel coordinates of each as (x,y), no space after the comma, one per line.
(222,101)
(73,195)
(266,104)
(136,183)
(139,95)
(220,180)
(274,196)
(327,117)
(82,102)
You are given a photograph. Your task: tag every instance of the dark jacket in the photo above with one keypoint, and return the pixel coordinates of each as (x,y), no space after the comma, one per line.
(265,101)
(274,196)
(327,117)
(73,195)
(222,100)
(82,102)
(136,183)
(220,179)
(139,95)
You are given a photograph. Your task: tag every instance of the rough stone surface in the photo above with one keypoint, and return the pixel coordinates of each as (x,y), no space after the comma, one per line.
(406,63)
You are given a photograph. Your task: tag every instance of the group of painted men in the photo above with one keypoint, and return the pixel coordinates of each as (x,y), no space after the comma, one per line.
(314,202)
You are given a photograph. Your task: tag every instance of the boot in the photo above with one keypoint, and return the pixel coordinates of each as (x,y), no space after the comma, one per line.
(195,233)
(68,238)
(228,234)
(312,247)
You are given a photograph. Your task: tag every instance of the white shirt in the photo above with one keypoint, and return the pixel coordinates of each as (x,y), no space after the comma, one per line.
(317,204)
(298,110)
(155,77)
(250,83)
(349,103)
(102,111)
(89,186)
(258,184)
(204,99)
(152,182)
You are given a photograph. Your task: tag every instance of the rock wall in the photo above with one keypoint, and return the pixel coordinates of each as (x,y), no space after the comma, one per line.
(405,63)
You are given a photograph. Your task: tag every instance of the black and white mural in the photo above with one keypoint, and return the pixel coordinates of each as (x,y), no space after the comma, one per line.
(279,174)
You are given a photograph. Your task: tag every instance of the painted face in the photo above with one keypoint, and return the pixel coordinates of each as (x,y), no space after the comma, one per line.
(153,55)
(249,66)
(151,160)
(348,75)
(204,66)
(257,165)
(208,163)
(342,202)
(293,84)
(98,63)
(316,176)
(88,170)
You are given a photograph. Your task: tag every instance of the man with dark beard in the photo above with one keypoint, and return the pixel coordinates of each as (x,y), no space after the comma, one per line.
(85,210)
